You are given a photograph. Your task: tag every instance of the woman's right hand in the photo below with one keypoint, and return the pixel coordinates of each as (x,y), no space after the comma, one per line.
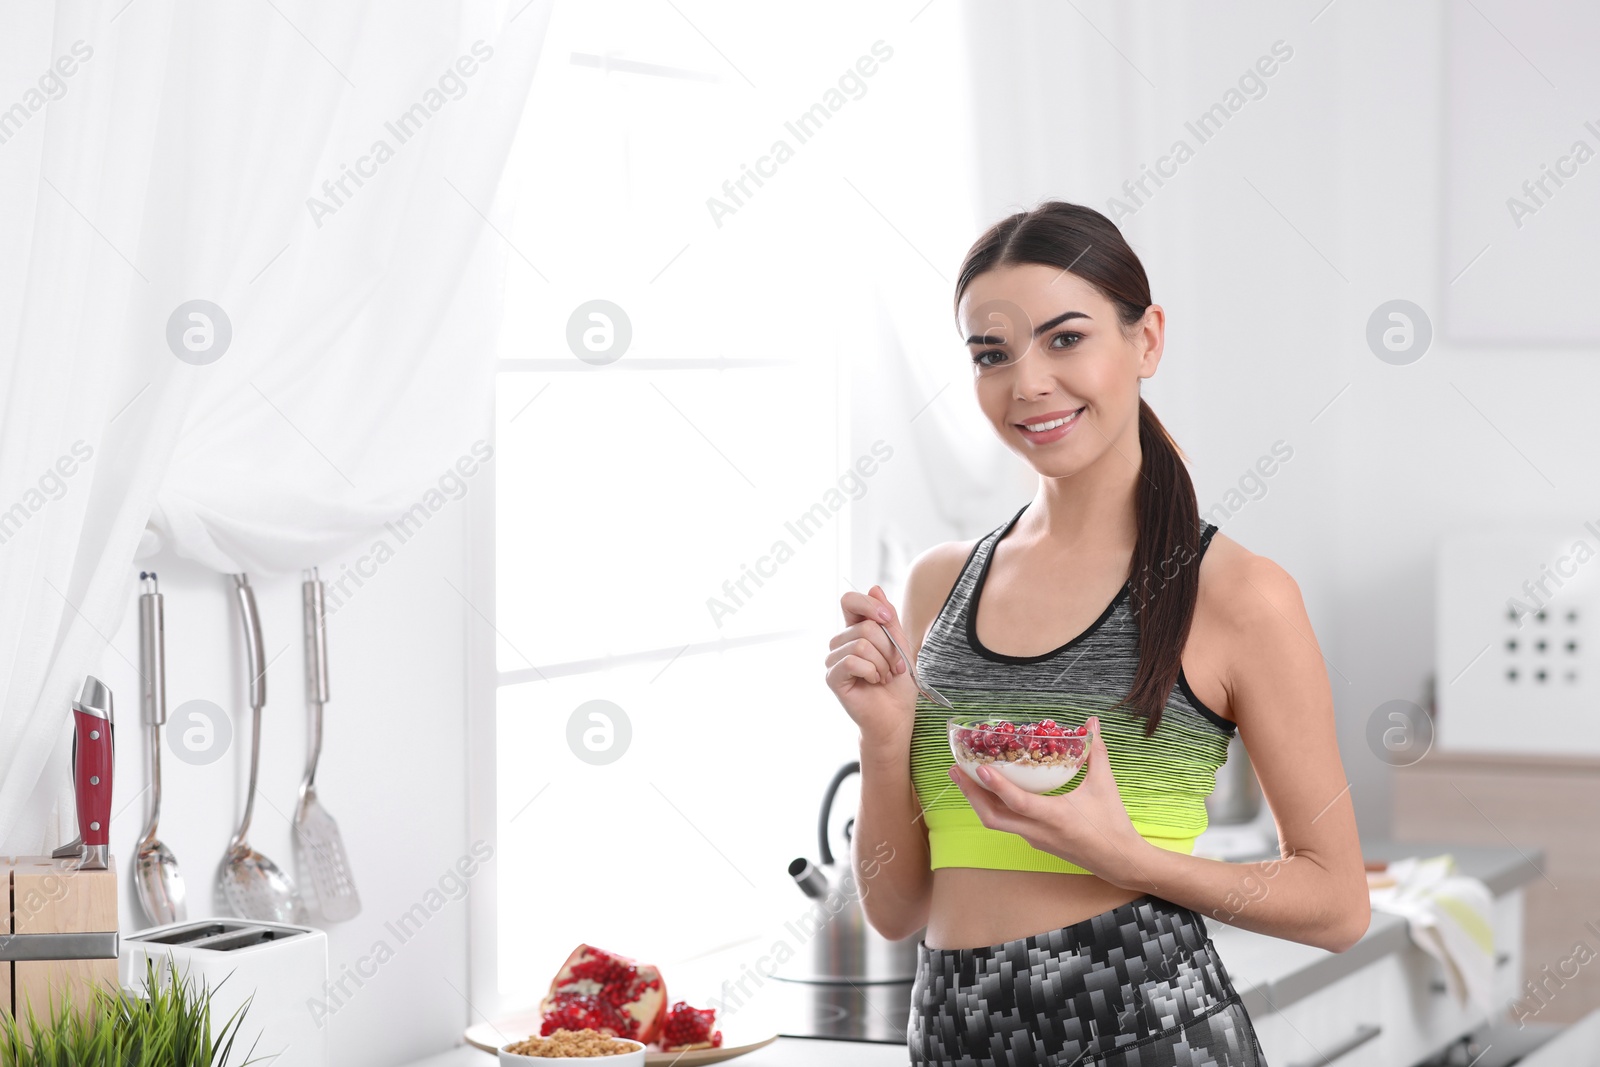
(865,672)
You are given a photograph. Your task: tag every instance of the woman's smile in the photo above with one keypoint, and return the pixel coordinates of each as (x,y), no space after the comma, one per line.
(1048,428)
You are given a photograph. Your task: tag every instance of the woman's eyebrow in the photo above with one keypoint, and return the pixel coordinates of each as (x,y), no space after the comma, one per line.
(985,339)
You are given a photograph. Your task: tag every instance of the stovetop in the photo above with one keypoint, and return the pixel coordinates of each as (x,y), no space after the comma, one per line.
(843,1011)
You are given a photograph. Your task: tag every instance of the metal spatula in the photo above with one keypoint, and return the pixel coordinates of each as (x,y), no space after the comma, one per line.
(249,884)
(319,853)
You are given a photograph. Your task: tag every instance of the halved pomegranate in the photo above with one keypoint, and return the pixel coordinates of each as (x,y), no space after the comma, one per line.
(604,991)
(689,1028)
(583,1011)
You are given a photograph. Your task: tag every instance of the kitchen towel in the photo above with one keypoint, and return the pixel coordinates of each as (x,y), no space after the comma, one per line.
(1450,918)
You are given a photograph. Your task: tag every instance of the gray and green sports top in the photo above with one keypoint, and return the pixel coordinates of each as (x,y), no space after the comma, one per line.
(1164,779)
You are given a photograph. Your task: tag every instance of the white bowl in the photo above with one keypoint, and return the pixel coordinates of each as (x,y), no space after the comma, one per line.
(625,1059)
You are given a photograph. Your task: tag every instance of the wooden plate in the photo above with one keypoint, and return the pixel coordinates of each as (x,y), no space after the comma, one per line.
(488,1037)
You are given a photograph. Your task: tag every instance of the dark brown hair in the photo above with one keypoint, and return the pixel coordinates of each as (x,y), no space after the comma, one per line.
(1086,243)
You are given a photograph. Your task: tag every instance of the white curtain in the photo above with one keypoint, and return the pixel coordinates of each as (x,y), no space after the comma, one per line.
(918,178)
(327,175)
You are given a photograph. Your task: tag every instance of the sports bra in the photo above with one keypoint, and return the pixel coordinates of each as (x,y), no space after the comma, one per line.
(1164,779)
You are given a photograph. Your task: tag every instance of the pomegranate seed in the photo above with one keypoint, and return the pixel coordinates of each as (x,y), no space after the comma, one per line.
(687,1026)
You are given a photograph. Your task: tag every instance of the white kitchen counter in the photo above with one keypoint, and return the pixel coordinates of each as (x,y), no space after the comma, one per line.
(784,1052)
(1270,973)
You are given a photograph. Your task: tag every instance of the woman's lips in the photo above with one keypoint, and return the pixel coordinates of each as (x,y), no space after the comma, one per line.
(1048,436)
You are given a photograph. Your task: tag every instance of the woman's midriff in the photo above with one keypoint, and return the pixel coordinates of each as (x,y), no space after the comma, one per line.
(973,907)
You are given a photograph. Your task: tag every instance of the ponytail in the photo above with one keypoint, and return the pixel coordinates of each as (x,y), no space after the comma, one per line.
(1165,579)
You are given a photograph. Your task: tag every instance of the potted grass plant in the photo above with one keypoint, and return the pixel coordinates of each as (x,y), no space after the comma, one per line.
(168,1024)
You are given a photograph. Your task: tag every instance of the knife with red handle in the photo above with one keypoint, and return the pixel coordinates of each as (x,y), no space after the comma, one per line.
(93,759)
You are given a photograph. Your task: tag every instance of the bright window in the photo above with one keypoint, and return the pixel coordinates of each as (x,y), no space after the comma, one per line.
(711,462)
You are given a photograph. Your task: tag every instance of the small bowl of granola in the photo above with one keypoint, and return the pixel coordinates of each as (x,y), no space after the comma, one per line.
(1034,755)
(563,1045)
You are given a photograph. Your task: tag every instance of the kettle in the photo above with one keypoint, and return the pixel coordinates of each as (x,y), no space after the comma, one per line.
(844,946)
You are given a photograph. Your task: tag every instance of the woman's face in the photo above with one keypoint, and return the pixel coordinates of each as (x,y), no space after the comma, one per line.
(1046,345)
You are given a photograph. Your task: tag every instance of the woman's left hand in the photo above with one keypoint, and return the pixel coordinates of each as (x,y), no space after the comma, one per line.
(1088,826)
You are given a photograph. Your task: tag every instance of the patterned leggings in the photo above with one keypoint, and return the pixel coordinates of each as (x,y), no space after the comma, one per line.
(1140,985)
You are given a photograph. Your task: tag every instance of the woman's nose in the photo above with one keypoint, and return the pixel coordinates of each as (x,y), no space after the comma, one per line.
(1033,375)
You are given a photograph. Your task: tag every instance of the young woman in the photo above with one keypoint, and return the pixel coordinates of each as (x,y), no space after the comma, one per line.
(1067,928)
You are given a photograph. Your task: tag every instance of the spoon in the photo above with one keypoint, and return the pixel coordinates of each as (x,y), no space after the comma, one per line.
(155,869)
(912,671)
(247,882)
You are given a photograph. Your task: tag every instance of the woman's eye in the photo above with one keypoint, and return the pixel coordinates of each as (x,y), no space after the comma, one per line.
(1072,340)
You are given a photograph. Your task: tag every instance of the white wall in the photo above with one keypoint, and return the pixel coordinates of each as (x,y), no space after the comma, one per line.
(392,771)
(1348,147)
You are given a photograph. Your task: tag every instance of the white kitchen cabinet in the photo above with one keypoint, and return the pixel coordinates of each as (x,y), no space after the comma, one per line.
(1396,1010)
(1342,1023)
(1427,1017)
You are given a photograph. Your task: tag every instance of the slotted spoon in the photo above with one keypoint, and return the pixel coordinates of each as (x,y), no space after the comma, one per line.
(248,883)
(319,851)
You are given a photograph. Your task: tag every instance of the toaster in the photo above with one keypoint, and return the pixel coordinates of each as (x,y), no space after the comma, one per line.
(281,969)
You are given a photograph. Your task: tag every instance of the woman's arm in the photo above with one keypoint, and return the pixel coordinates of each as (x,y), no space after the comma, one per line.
(889,845)
(1279,695)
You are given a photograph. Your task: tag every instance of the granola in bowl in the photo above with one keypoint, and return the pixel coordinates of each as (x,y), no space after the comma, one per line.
(1036,756)
(571,1044)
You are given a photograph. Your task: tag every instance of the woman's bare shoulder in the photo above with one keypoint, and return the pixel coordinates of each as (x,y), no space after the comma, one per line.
(929,582)
(1242,588)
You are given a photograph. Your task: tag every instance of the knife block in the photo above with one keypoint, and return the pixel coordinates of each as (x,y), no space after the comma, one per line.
(40,895)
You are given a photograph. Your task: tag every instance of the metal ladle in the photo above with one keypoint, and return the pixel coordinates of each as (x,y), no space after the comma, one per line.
(155,869)
(248,883)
